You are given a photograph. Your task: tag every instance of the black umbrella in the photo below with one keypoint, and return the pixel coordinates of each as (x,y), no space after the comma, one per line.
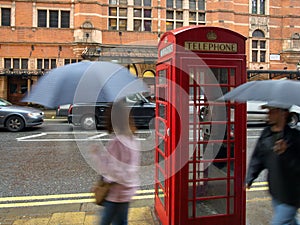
(84,82)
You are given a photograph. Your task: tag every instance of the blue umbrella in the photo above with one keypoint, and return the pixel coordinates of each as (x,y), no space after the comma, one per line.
(84,82)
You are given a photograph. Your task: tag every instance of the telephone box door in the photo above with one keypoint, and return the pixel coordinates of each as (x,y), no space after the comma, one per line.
(213,174)
(163,118)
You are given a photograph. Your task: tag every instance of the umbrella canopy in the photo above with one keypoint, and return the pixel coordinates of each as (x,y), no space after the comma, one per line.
(84,82)
(277,93)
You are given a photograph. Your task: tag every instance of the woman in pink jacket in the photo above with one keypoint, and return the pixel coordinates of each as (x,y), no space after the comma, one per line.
(118,162)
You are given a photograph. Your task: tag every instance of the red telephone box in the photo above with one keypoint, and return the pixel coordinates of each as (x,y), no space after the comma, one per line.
(200,142)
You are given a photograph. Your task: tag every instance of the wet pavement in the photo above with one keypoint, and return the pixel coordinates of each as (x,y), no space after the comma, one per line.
(258,212)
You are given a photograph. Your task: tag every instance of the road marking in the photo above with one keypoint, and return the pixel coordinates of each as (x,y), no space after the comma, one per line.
(253,137)
(42,200)
(33,138)
(98,136)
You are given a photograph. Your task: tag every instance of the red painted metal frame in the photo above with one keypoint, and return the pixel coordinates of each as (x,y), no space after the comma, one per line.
(177,61)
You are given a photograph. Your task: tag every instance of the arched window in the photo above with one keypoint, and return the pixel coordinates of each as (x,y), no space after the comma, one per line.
(258,46)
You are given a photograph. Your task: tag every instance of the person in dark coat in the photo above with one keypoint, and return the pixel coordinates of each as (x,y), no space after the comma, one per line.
(278,151)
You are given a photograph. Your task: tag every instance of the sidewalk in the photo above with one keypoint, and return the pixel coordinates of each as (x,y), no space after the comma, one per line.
(137,216)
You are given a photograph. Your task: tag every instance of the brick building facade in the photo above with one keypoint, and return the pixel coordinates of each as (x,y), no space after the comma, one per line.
(39,35)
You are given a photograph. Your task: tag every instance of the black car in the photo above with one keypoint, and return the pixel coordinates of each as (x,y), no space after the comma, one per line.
(91,115)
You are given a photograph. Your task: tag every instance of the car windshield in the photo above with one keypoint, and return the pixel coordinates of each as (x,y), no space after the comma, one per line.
(138,97)
(4,102)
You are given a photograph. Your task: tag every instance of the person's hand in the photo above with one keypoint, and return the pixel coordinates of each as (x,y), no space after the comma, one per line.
(247,186)
(280,146)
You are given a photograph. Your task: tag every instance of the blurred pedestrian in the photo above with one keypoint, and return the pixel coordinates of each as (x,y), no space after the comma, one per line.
(118,164)
(278,151)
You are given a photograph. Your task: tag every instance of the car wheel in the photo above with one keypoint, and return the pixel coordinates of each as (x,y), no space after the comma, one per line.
(88,122)
(294,119)
(15,123)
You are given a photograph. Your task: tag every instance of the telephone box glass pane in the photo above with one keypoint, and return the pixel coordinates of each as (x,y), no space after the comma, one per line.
(211,142)
(161,196)
(161,144)
(211,207)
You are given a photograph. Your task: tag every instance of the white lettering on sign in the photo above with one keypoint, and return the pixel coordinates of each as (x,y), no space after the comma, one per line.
(166,50)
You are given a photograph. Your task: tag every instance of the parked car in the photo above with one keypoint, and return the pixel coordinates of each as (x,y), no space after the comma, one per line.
(16,118)
(255,114)
(62,110)
(90,115)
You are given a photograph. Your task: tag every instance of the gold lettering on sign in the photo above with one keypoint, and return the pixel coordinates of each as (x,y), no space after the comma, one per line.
(210,46)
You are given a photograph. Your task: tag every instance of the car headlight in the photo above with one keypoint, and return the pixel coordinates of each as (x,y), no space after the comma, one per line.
(35,114)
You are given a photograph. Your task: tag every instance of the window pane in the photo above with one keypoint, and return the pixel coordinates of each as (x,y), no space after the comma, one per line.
(42,18)
(147,2)
(169,25)
(192,4)
(137,25)
(123,25)
(7,63)
(262,56)
(46,64)
(123,12)
(262,6)
(112,11)
(53,18)
(16,63)
(179,15)
(67,61)
(178,4)
(254,6)
(65,19)
(201,5)
(179,24)
(73,60)
(258,33)
(123,2)
(254,44)
(170,14)
(24,64)
(170,3)
(39,63)
(192,16)
(137,13)
(201,17)
(53,63)
(262,44)
(5,17)
(112,24)
(254,56)
(147,25)
(138,2)
(113,2)
(147,13)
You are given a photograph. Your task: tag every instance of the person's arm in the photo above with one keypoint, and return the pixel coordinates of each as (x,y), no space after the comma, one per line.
(256,165)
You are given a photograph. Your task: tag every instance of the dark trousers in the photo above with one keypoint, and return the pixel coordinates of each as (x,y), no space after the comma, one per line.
(115,213)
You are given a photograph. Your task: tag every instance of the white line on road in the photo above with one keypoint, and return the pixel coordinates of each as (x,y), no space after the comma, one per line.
(31,136)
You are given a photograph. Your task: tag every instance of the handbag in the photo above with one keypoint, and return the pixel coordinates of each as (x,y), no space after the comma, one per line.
(101,190)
